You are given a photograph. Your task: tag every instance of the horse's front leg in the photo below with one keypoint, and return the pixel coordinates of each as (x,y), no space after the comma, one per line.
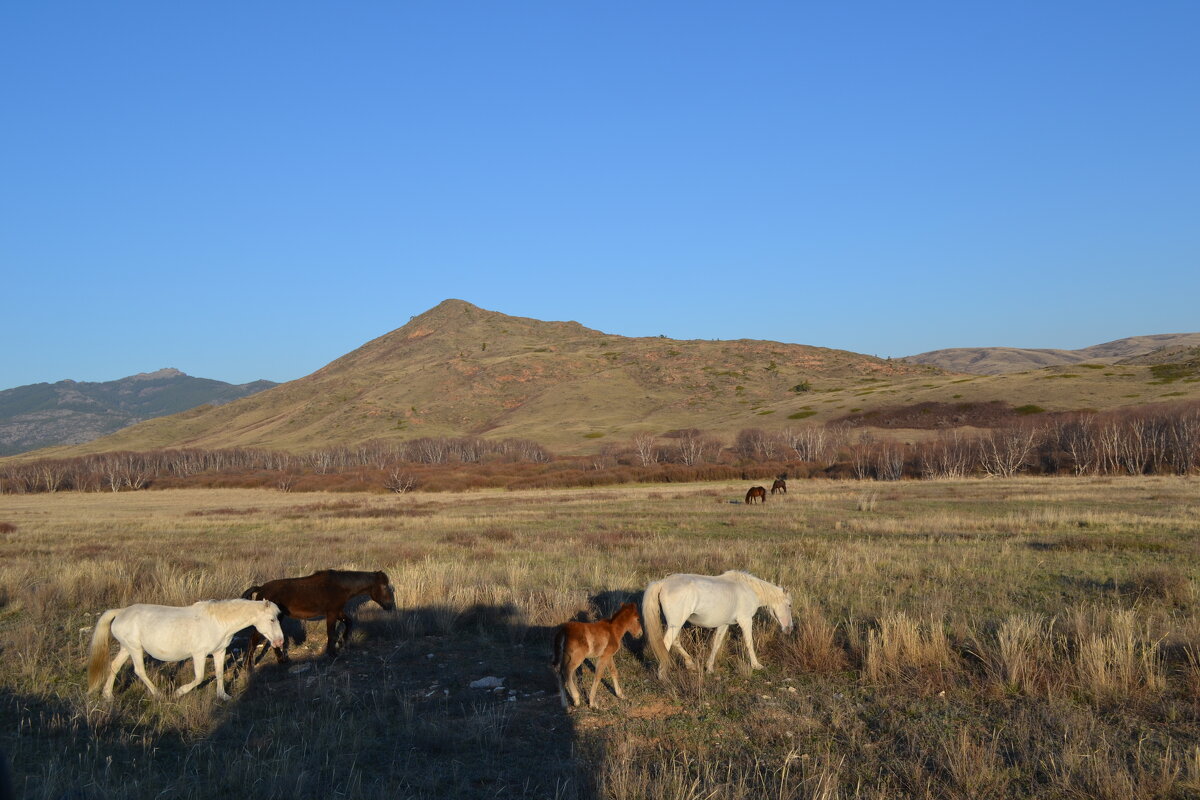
(252,648)
(601,663)
(219,666)
(331,621)
(612,666)
(198,662)
(745,625)
(718,640)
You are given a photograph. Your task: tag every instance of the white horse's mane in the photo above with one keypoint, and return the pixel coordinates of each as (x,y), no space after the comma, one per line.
(760,586)
(225,610)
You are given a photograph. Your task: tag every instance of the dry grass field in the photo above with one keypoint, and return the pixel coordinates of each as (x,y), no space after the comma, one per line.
(968,639)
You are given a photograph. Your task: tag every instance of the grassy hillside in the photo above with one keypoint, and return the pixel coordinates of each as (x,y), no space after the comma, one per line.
(460,370)
(1004,360)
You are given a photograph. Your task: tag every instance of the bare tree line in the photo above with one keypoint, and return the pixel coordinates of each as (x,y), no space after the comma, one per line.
(130,471)
(1146,440)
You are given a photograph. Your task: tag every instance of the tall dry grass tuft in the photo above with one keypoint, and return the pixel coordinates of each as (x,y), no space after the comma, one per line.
(902,649)
(975,766)
(1022,655)
(813,647)
(1115,659)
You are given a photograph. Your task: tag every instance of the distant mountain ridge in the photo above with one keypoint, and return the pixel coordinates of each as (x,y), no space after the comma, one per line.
(1006,360)
(72,412)
(460,370)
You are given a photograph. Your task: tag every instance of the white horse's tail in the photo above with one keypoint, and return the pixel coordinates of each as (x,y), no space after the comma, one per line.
(98,655)
(652,624)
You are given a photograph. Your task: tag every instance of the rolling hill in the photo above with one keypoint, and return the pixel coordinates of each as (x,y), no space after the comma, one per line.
(70,412)
(461,370)
(1005,360)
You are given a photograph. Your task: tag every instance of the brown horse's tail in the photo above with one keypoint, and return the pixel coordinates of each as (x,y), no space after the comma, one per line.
(98,654)
(652,625)
(252,593)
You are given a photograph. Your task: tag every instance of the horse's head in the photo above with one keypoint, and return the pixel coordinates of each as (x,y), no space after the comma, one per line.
(267,623)
(630,610)
(382,593)
(781,607)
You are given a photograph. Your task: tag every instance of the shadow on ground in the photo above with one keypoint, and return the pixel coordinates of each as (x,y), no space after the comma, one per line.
(393,715)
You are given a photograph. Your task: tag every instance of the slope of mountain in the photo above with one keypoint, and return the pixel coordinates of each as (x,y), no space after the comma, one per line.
(1005,360)
(458,369)
(70,412)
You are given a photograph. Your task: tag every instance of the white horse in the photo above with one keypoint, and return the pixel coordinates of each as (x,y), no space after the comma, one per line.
(710,601)
(173,633)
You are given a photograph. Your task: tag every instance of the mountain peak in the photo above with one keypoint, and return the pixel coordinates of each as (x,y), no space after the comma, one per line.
(158,375)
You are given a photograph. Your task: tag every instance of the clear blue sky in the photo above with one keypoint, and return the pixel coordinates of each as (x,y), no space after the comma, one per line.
(250,190)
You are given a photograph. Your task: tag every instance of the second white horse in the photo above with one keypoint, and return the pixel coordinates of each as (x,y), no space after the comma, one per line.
(710,601)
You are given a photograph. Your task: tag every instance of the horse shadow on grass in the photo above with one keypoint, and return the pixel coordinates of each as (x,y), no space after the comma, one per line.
(395,715)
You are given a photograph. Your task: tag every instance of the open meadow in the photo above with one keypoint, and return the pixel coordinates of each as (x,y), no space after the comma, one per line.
(1031,637)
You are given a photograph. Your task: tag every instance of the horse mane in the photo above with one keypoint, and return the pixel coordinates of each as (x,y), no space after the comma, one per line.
(759,586)
(227,610)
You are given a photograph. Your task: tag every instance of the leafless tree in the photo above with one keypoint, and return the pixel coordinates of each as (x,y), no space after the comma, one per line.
(647,451)
(400,482)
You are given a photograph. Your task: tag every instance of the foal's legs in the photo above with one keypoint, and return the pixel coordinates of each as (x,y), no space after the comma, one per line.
(113,669)
(745,625)
(567,677)
(601,663)
(718,640)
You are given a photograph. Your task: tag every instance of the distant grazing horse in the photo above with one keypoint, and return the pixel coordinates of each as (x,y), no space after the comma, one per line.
(780,485)
(322,594)
(173,633)
(600,641)
(756,491)
(711,602)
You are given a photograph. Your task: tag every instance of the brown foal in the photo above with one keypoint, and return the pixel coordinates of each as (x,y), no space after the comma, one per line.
(599,641)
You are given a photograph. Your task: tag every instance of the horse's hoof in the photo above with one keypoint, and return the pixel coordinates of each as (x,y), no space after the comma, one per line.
(223,696)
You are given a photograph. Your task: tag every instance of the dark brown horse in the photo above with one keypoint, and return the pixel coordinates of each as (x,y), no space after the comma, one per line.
(756,491)
(322,594)
(780,485)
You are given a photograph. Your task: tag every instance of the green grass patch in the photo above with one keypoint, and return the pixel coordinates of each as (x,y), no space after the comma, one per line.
(1029,409)
(1169,373)
(595,435)
(801,415)
(768,411)
(1091,366)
